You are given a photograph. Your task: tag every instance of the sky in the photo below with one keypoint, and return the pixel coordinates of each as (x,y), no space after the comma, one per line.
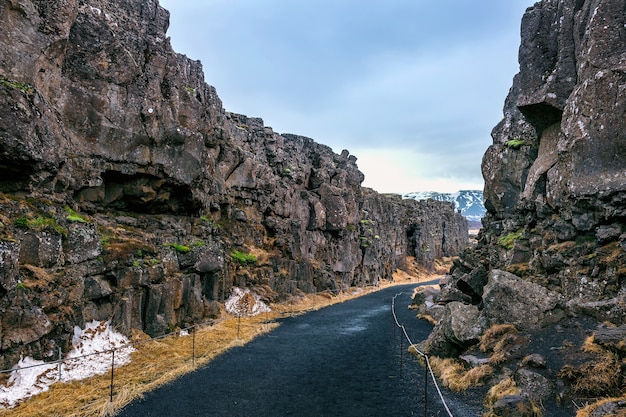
(412,88)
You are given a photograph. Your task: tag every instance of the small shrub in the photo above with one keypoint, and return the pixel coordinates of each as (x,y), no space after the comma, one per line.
(243,258)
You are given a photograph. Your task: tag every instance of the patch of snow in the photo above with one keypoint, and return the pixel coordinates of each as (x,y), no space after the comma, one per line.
(244,302)
(468,202)
(90,355)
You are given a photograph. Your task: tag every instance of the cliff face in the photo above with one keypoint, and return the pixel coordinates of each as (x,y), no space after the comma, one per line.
(555,175)
(128,193)
(553,244)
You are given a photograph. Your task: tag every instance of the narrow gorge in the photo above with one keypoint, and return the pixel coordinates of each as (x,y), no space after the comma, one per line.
(127,192)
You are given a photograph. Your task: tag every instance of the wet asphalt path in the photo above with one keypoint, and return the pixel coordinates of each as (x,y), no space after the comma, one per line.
(343,360)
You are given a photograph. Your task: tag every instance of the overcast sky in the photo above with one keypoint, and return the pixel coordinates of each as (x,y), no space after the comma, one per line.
(412,88)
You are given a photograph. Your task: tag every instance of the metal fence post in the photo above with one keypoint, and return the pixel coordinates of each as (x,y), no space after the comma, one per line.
(60,363)
(425,387)
(193,346)
(112,368)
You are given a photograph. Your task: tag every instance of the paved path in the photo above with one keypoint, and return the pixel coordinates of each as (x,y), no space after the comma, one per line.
(343,360)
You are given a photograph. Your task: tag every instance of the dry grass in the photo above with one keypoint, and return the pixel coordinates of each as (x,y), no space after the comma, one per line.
(502,389)
(590,346)
(589,409)
(428,318)
(157,362)
(499,339)
(454,375)
(595,378)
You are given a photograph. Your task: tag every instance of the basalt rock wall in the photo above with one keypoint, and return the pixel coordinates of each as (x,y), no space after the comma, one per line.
(129,194)
(555,176)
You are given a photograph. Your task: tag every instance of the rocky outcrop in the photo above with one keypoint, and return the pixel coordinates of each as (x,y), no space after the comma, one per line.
(128,193)
(554,180)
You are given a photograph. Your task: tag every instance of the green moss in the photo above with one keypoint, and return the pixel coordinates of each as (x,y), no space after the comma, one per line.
(74,217)
(243,258)
(508,241)
(39,224)
(15,85)
(516,143)
(178,248)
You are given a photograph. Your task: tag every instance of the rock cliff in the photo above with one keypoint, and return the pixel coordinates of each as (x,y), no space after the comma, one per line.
(128,193)
(553,246)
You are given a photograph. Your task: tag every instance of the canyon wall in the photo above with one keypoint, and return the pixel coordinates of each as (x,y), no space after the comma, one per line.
(127,193)
(551,257)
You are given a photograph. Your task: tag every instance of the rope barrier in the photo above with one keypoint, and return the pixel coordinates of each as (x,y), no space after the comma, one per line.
(335,292)
(419,352)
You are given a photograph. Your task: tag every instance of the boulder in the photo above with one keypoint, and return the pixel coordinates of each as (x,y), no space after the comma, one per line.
(23,325)
(513,406)
(82,243)
(462,324)
(42,249)
(533,385)
(510,299)
(613,338)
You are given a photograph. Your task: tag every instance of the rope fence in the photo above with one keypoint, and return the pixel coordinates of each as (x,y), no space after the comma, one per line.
(285,308)
(420,353)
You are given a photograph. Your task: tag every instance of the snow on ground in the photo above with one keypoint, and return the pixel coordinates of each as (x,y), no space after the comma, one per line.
(90,355)
(244,302)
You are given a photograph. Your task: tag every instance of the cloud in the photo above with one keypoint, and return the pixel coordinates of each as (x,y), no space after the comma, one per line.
(420,81)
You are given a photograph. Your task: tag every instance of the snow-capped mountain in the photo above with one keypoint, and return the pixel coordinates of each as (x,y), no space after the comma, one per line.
(469,202)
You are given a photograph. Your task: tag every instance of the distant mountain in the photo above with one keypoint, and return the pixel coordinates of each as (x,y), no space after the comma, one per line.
(469,202)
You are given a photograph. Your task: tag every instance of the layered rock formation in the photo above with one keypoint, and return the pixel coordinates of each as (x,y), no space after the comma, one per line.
(553,244)
(129,194)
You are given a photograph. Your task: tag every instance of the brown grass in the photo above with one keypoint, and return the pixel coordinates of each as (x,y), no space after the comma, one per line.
(157,362)
(498,340)
(428,318)
(595,378)
(587,410)
(454,375)
(500,390)
(493,336)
